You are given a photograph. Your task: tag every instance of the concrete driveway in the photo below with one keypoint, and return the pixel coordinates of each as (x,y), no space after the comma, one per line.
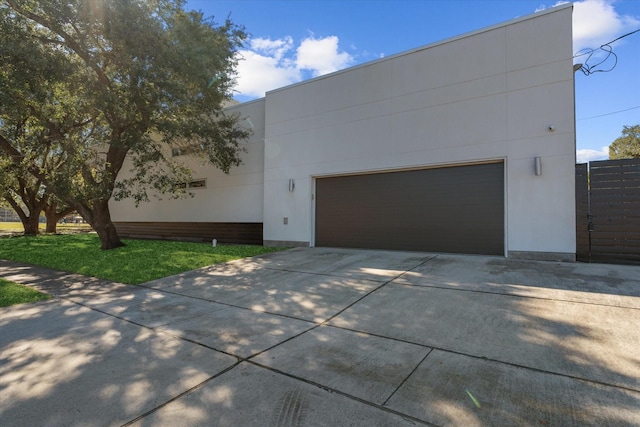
(328,337)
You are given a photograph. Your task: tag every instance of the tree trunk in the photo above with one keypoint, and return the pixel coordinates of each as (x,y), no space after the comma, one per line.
(108,236)
(52,225)
(30,221)
(52,218)
(53,215)
(30,224)
(99,218)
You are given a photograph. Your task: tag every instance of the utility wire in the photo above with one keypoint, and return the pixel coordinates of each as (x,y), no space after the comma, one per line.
(621,37)
(605,44)
(588,69)
(608,114)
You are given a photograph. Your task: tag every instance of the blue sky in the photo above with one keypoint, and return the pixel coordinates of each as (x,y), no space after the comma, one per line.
(294,40)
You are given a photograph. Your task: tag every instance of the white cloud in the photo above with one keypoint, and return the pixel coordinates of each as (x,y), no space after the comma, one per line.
(587,155)
(275,48)
(259,73)
(269,64)
(596,22)
(544,7)
(322,56)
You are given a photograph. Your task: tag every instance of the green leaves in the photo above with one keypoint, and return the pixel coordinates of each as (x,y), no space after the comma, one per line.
(85,83)
(628,145)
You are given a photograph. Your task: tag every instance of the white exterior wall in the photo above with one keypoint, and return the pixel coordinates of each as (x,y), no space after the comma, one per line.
(484,96)
(487,95)
(236,197)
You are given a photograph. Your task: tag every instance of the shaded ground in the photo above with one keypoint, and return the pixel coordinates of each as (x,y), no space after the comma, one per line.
(328,337)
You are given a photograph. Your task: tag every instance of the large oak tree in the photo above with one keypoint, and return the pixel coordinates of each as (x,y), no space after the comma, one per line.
(100,81)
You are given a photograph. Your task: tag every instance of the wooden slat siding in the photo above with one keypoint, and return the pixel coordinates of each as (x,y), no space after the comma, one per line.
(613,220)
(606,182)
(616,258)
(246,233)
(613,228)
(615,239)
(624,209)
(618,196)
(615,207)
(617,250)
(619,201)
(582,212)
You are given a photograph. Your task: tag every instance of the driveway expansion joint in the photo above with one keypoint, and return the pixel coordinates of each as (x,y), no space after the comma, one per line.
(375,290)
(342,393)
(407,377)
(485,358)
(178,396)
(528,297)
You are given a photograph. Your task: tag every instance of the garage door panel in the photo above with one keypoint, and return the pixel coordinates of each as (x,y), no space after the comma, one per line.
(455,209)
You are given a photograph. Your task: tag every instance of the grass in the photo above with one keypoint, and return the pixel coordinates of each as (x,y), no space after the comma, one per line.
(12,293)
(138,262)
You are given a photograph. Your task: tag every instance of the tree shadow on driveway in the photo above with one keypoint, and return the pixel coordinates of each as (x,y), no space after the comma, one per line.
(63,364)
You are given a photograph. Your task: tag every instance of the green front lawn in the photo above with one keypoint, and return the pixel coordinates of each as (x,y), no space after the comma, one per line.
(12,293)
(138,262)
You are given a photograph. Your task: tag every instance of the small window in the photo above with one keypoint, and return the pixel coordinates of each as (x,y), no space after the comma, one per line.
(189,149)
(198,183)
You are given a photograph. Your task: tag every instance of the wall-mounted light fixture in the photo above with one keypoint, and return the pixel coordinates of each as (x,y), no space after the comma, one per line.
(292,184)
(538,166)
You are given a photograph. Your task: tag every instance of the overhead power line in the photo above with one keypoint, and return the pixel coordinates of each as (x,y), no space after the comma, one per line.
(609,114)
(588,69)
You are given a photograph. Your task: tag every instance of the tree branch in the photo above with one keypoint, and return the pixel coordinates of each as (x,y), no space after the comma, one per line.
(68,41)
(16,207)
(17,157)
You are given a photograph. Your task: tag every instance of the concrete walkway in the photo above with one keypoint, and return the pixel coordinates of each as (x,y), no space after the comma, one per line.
(328,337)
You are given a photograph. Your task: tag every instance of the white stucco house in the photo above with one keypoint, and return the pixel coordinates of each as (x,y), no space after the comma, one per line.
(464,146)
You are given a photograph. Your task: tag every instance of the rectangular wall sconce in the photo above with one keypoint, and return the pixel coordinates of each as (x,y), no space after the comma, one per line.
(538,166)
(292,184)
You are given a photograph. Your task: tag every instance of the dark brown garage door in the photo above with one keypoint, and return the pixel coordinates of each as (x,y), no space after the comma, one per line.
(454,209)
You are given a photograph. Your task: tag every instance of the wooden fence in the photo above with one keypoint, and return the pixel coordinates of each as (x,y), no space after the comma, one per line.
(608,211)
